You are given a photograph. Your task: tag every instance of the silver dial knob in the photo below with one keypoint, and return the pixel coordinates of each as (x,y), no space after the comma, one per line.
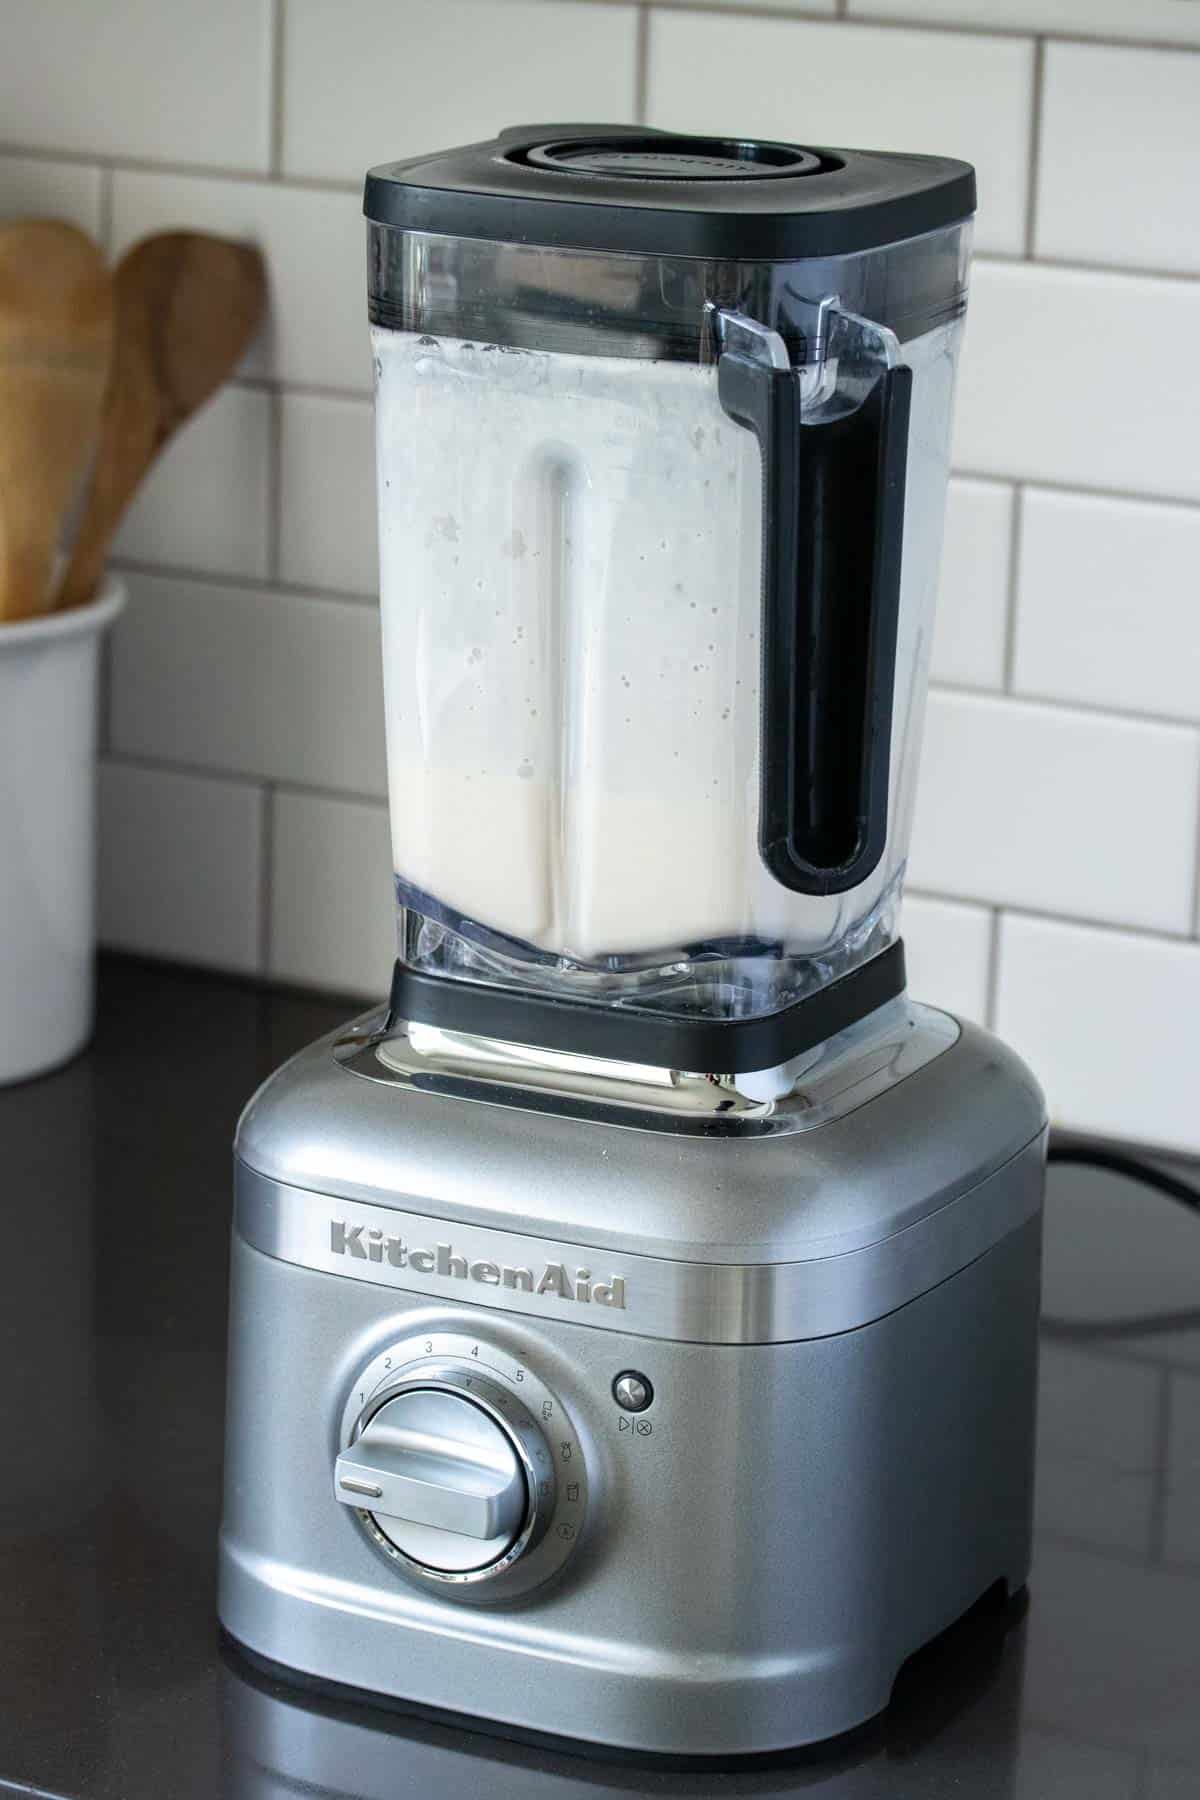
(462,1467)
(441,1477)
(445,1475)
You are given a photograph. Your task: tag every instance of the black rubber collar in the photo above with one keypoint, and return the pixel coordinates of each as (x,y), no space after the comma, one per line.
(625,1034)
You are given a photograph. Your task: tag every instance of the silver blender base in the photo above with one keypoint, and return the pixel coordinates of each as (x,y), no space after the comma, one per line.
(837,1460)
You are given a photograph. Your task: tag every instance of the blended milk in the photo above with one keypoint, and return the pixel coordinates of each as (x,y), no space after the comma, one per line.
(570,582)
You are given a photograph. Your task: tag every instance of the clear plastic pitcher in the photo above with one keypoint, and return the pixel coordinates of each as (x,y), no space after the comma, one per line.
(663,429)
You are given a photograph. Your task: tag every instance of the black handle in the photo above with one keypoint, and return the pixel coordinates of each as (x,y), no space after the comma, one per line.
(833,523)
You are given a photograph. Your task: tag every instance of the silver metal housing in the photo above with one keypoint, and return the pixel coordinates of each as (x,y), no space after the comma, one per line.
(838,1323)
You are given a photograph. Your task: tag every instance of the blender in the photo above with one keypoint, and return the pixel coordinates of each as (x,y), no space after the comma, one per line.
(633,1331)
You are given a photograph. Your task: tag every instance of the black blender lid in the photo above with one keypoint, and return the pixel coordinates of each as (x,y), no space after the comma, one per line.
(629,188)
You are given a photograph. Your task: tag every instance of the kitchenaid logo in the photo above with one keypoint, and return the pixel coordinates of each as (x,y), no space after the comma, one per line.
(363,1243)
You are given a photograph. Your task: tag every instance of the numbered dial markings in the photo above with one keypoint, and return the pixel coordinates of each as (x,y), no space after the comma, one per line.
(542,1435)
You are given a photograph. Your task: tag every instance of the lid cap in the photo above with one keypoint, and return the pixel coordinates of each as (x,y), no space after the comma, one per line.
(635,190)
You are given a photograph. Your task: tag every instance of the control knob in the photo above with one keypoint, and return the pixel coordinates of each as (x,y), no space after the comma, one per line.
(459,1482)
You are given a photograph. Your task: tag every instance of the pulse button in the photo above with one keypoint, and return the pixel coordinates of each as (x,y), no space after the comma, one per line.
(632,1392)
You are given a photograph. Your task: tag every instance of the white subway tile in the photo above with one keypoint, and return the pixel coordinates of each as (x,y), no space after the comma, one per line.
(1059,811)
(34,187)
(333,919)
(1108,606)
(181,83)
(369,81)
(180,865)
(1182,1522)
(273,685)
(204,503)
(312,240)
(328,535)
(883,89)
(801,8)
(1078,377)
(1120,193)
(1174,21)
(1107,1022)
(948,947)
(969,633)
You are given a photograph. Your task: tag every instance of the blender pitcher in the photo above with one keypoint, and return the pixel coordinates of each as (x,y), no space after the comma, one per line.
(663,427)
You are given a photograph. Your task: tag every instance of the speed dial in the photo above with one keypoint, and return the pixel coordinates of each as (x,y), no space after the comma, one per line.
(443,1462)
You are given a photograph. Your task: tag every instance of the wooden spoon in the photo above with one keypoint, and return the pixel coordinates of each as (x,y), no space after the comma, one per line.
(56,332)
(187,307)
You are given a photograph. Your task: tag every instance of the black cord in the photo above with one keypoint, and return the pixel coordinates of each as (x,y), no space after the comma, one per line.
(1133,1168)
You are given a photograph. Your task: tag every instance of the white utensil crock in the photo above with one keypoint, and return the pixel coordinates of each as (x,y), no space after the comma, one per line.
(48,682)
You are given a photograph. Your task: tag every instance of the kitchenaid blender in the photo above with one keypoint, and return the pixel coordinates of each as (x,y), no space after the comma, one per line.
(634,1325)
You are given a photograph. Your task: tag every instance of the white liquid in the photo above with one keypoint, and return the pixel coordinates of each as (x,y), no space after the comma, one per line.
(571,600)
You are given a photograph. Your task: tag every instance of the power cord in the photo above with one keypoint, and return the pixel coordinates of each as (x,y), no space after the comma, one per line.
(1133,1168)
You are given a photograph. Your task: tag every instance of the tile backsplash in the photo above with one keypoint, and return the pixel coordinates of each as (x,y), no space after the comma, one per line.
(1054,859)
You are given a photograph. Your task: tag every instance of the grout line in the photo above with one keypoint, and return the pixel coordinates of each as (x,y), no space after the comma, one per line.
(238,778)
(266,875)
(274,483)
(355,598)
(105,220)
(1035,144)
(1144,1352)
(992,987)
(815,14)
(1083,39)
(1012,593)
(1162,1450)
(914,891)
(861,16)
(120,165)
(270,384)
(916,25)
(146,165)
(244,584)
(1157,934)
(267,384)
(1108,1553)
(275,88)
(378,801)
(307,790)
(1077,491)
(1081,265)
(1067,704)
(641,75)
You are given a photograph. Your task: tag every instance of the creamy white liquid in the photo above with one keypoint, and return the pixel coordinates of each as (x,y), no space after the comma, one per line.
(571,596)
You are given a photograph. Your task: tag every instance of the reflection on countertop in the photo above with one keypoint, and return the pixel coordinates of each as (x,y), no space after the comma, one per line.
(114,1683)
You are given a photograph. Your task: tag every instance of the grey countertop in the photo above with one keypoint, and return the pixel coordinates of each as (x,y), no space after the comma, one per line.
(114,1683)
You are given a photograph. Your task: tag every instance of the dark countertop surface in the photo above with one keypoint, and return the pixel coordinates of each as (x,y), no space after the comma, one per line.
(114,1684)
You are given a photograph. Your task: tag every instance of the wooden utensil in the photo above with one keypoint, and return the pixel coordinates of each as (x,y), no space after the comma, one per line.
(187,305)
(56,333)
